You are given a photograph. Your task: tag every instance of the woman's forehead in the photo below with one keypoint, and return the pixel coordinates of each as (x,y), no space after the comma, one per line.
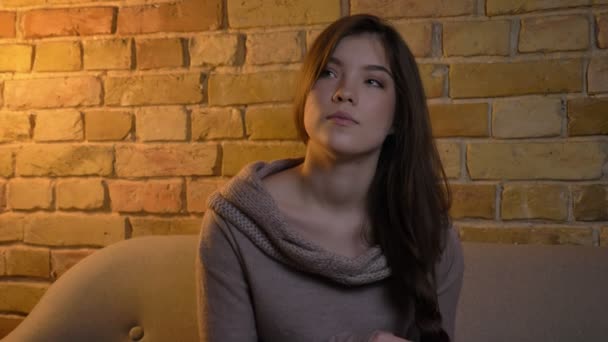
(361,49)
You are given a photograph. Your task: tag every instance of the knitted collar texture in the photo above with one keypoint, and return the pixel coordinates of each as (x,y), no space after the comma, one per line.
(245,204)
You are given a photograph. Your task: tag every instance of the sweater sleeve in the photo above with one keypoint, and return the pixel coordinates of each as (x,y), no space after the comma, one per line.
(225,310)
(449,273)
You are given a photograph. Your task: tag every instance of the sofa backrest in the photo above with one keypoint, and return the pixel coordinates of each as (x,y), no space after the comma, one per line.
(138,289)
(533,293)
(145,287)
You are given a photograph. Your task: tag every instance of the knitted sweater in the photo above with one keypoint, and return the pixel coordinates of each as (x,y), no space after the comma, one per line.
(259,280)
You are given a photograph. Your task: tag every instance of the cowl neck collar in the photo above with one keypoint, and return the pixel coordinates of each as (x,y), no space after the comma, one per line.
(244,203)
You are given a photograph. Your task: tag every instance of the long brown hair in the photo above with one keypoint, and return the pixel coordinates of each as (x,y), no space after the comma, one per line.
(409,198)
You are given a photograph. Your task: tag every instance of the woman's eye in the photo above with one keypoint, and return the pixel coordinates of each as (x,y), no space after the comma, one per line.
(327,73)
(374,83)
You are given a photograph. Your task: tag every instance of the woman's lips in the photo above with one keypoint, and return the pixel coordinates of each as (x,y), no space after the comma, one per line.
(342,118)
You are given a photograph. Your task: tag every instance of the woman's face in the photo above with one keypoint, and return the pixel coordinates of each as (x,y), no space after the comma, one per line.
(350,108)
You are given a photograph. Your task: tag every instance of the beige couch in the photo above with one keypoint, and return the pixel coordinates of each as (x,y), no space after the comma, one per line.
(141,289)
(144,290)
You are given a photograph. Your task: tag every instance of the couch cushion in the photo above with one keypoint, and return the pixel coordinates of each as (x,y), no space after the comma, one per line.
(533,293)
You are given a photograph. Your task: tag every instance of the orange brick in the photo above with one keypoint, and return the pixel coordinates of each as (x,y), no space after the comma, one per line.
(238,154)
(143,226)
(57,56)
(418,36)
(267,123)
(463,119)
(6,162)
(588,117)
(274,47)
(198,190)
(28,262)
(597,75)
(64,160)
(153,89)
(311,36)
(2,195)
(429,8)
(529,236)
(265,86)
(251,13)
(43,93)
(12,226)
(103,125)
(159,53)
(107,54)
(24,3)
(68,22)
(527,117)
(166,160)
(161,124)
(14,126)
(155,196)
(30,193)
(488,79)
(15,57)
(590,202)
(450,158)
(2,262)
(85,194)
(20,297)
(602,31)
(563,161)
(433,79)
(462,38)
(554,33)
(534,201)
(496,7)
(216,123)
(216,49)
(473,200)
(9,323)
(63,260)
(184,16)
(7,24)
(62,125)
(73,230)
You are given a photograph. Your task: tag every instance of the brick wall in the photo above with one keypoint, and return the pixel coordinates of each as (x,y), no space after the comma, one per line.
(117,119)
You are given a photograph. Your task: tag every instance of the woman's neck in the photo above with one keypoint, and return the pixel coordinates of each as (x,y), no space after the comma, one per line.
(336,183)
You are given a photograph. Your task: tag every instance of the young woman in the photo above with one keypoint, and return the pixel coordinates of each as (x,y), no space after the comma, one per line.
(353,242)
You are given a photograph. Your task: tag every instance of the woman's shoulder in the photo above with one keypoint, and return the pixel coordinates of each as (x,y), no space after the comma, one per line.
(213,227)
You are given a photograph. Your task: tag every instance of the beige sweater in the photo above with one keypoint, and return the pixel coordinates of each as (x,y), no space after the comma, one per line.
(259,280)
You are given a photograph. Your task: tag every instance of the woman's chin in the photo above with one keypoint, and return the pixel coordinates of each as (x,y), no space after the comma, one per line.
(344,145)
(350,149)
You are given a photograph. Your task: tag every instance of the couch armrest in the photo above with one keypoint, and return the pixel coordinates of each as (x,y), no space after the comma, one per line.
(135,288)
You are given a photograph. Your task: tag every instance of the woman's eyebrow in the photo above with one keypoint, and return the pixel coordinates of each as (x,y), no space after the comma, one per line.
(334,60)
(372,67)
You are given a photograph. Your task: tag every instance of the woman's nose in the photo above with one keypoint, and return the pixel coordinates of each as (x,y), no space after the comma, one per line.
(344,94)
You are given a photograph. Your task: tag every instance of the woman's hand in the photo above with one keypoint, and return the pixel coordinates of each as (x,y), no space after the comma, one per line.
(384,336)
